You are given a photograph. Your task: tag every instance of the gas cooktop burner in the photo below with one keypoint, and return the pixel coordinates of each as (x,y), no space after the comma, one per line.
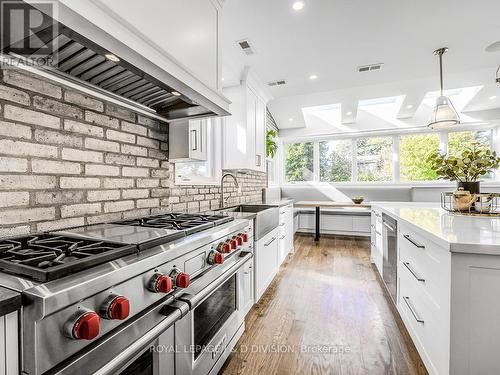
(48,257)
(190,223)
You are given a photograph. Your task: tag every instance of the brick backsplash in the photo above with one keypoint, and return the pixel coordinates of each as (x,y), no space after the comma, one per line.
(68,159)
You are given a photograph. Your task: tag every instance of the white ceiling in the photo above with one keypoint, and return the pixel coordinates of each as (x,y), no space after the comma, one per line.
(330,38)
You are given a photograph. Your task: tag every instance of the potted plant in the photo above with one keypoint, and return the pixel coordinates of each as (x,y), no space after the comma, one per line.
(467,167)
(271,145)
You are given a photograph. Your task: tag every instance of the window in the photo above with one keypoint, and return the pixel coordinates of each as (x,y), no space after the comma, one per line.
(398,157)
(299,162)
(414,151)
(335,161)
(374,159)
(461,141)
(208,171)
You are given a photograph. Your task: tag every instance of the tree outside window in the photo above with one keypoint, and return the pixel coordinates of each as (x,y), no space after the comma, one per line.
(414,151)
(335,161)
(460,141)
(299,162)
(374,159)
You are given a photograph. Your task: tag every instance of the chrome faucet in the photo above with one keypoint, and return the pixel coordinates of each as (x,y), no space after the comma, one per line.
(222,200)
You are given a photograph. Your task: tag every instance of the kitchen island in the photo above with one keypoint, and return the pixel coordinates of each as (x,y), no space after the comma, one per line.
(448,280)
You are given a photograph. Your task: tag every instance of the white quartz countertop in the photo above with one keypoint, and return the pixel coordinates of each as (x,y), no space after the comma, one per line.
(458,233)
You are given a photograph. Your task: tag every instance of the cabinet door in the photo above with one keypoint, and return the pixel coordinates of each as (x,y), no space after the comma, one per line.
(289,228)
(198,139)
(235,138)
(251,129)
(260,135)
(266,262)
(247,287)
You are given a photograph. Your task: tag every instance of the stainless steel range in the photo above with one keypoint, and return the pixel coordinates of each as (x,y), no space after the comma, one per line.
(108,298)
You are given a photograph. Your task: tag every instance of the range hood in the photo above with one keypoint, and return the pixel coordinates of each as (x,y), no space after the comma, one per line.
(84,57)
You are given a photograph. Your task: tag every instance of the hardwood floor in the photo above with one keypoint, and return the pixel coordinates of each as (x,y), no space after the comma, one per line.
(325,313)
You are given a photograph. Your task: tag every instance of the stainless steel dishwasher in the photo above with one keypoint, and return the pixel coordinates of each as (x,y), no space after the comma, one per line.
(390,261)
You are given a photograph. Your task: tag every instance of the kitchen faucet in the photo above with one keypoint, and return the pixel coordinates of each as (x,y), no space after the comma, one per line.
(222,200)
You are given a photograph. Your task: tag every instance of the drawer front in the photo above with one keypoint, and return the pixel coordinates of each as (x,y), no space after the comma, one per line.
(428,264)
(428,324)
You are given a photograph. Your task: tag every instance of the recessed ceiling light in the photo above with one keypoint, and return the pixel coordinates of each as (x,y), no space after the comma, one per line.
(493,97)
(313,77)
(222,79)
(298,5)
(349,113)
(175,93)
(290,119)
(112,57)
(409,106)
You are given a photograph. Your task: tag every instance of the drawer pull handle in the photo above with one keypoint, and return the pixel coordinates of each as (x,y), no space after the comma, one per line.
(270,242)
(407,265)
(414,313)
(282,237)
(407,236)
(377,232)
(282,224)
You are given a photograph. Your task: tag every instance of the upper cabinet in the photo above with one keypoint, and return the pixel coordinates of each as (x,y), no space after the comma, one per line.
(181,37)
(188,141)
(245,131)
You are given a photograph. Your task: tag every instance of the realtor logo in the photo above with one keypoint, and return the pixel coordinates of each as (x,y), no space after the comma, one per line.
(29,30)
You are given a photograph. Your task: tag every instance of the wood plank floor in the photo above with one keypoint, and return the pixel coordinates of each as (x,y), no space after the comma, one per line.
(325,313)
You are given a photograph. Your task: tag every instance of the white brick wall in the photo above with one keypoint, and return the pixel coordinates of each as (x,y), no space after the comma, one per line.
(68,159)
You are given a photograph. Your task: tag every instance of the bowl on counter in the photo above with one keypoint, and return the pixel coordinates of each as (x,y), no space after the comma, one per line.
(358,200)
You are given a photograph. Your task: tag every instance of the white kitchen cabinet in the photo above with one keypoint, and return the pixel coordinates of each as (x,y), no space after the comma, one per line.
(286,227)
(260,135)
(377,251)
(266,261)
(247,287)
(244,131)
(188,140)
(9,344)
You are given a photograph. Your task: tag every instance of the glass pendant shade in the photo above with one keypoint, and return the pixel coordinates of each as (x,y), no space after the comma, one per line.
(444,114)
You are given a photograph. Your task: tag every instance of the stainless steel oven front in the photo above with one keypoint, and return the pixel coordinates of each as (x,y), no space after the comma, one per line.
(142,346)
(205,337)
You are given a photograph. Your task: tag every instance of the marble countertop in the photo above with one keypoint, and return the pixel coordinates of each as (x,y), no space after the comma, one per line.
(9,301)
(458,233)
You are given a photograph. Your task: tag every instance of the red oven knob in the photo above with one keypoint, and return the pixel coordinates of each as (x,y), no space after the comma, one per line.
(115,307)
(160,283)
(83,325)
(233,243)
(214,257)
(181,279)
(224,247)
(244,236)
(239,239)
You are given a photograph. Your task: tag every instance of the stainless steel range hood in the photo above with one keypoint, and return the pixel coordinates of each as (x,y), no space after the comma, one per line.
(81,57)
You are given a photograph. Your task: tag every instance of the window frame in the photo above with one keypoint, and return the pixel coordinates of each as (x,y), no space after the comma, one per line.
(443,148)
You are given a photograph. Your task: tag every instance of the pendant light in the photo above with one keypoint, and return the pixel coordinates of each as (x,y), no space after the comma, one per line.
(444,114)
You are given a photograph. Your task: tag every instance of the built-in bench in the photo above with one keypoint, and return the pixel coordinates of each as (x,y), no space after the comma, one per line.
(354,222)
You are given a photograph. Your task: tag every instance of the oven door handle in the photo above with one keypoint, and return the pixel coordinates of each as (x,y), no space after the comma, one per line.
(195,299)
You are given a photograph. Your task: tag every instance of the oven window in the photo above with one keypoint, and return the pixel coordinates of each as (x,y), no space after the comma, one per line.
(141,366)
(211,315)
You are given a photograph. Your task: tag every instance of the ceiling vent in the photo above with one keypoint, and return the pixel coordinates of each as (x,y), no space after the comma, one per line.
(280,82)
(246,47)
(369,68)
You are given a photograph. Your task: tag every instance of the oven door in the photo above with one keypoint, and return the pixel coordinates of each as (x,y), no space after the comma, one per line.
(143,346)
(206,335)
